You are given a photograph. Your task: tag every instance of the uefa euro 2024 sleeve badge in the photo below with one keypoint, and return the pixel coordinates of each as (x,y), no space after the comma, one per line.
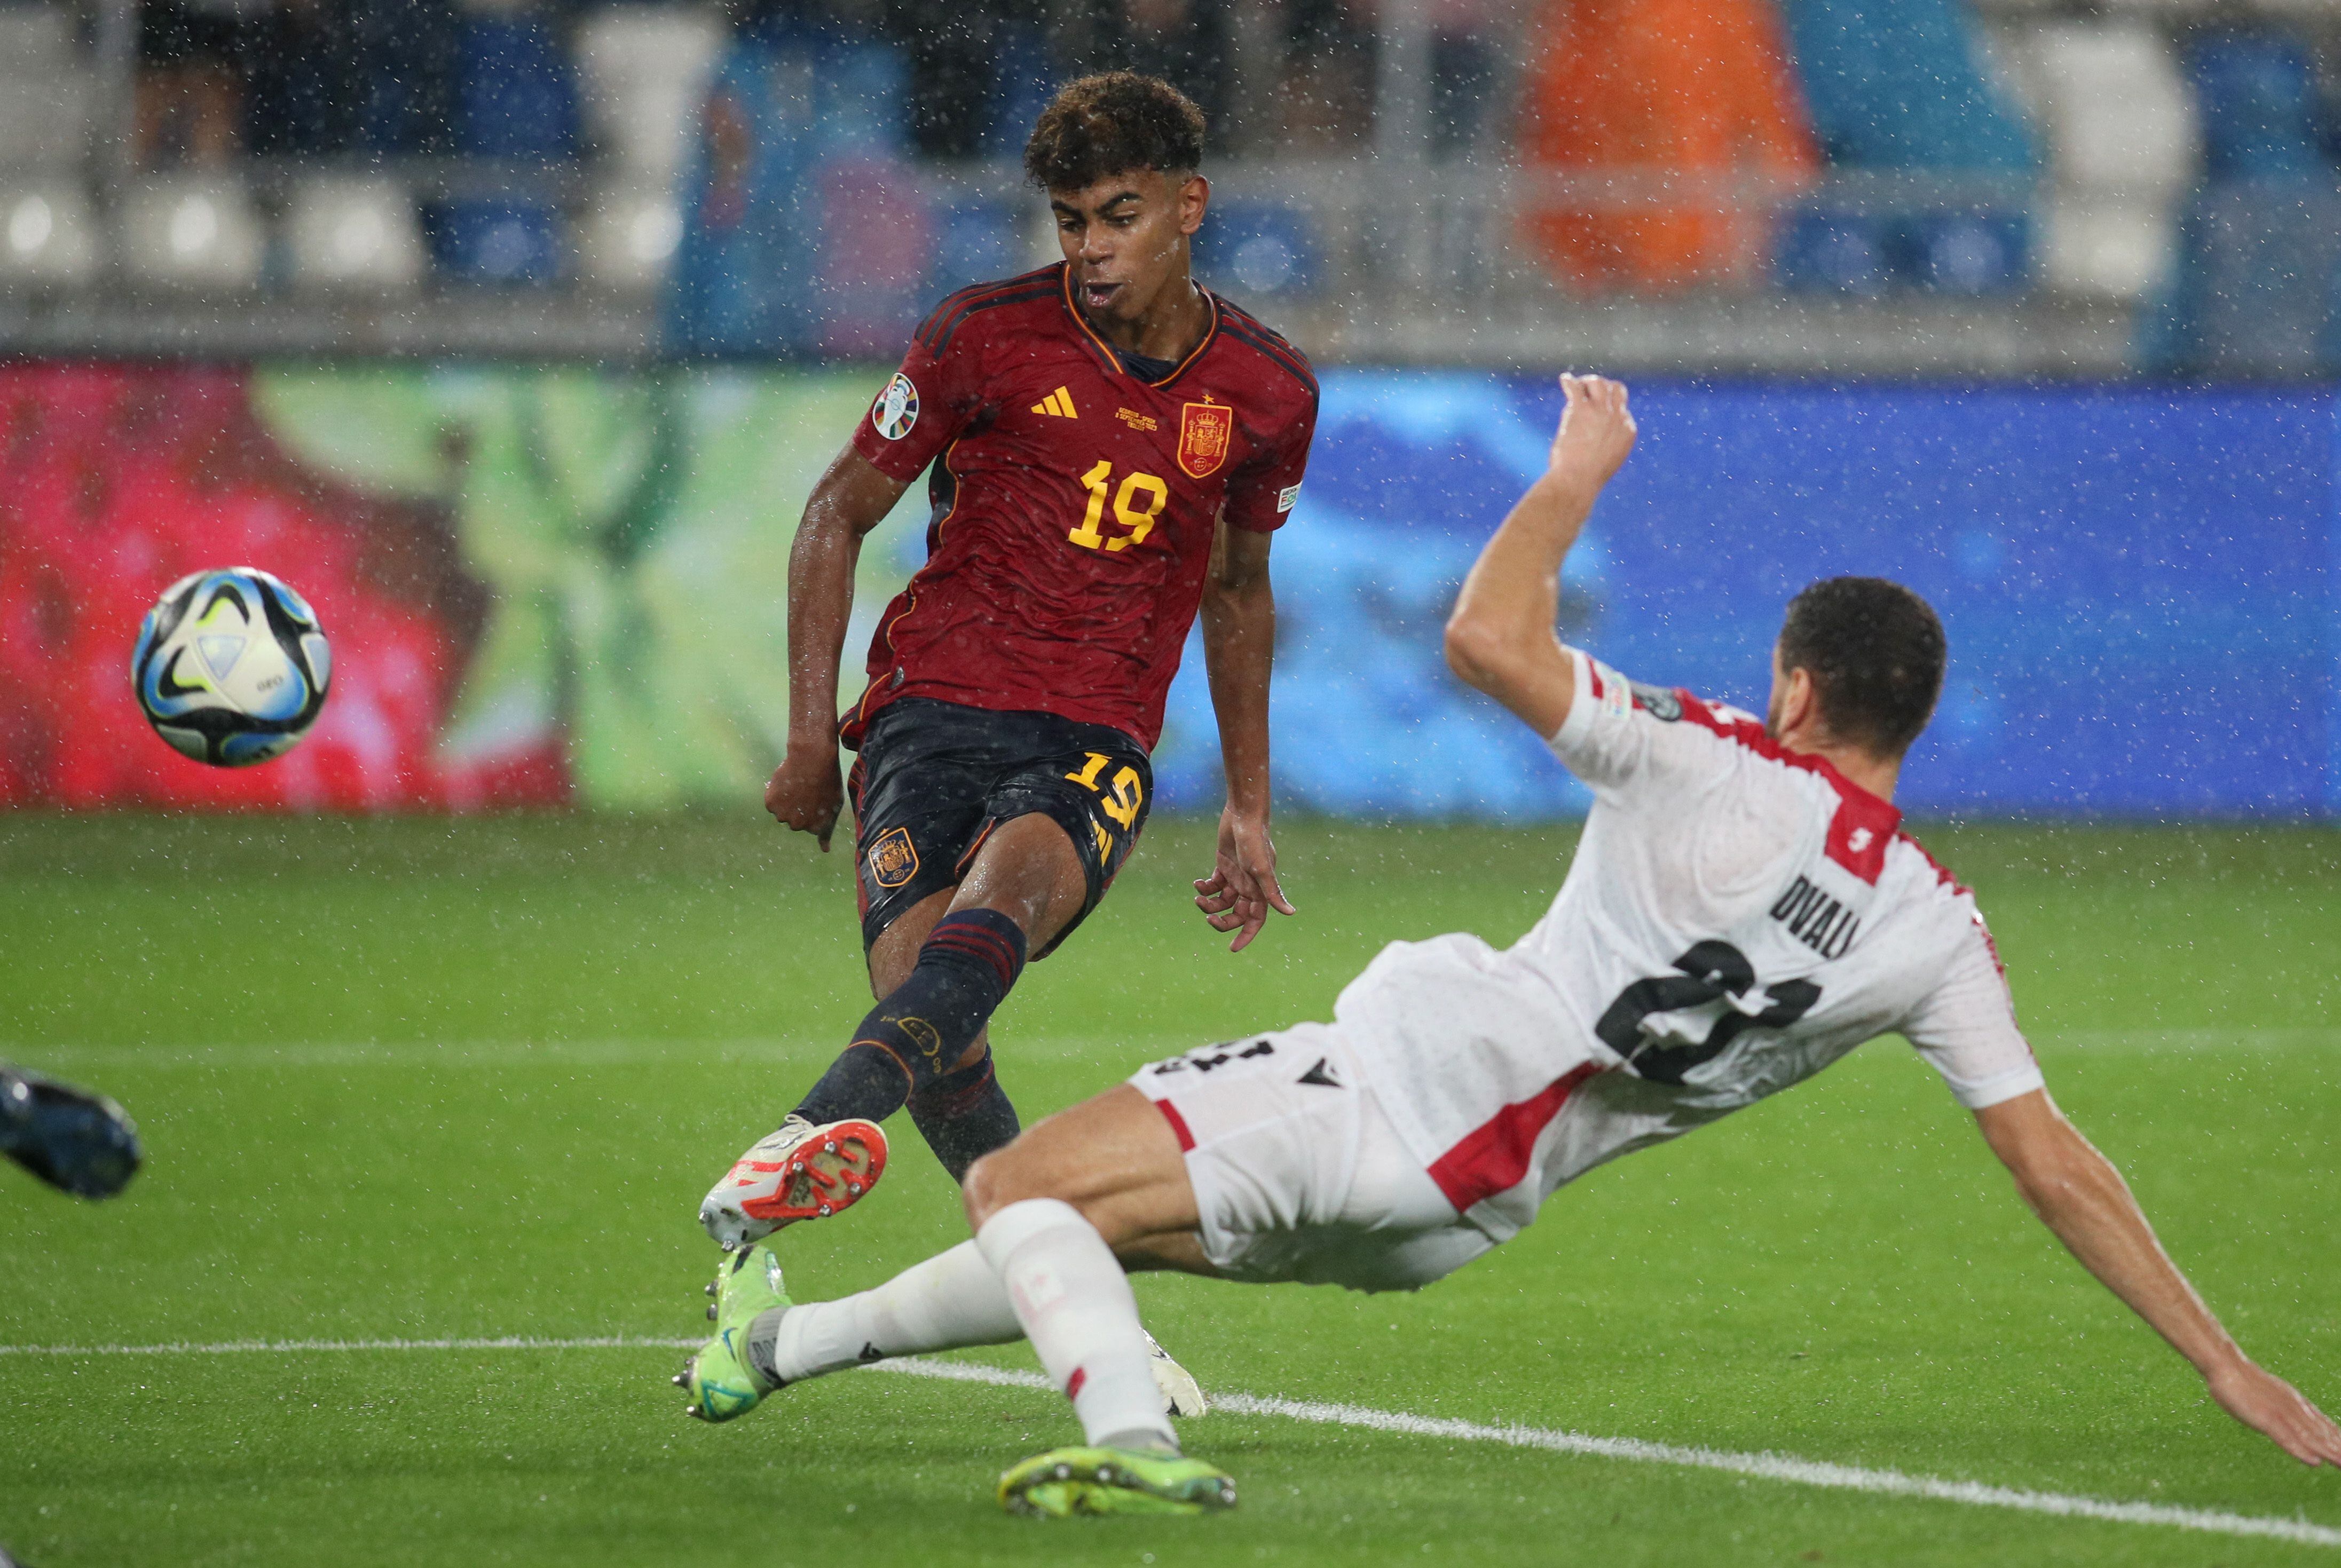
(1205,431)
(897,408)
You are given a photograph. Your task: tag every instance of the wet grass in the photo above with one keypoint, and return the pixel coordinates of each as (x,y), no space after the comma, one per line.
(424,1080)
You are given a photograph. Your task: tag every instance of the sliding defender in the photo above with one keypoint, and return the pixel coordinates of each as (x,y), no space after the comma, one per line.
(1743,911)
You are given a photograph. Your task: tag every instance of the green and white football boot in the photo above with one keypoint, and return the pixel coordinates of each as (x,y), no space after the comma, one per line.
(721,1383)
(1065,1482)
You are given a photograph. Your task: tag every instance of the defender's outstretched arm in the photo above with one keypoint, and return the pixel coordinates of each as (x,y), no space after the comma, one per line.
(1501,638)
(1238,616)
(807,792)
(2077,1191)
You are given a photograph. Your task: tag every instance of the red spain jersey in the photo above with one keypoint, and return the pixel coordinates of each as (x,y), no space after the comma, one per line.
(1073,502)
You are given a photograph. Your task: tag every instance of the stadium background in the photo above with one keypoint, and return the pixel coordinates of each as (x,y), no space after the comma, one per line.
(514,332)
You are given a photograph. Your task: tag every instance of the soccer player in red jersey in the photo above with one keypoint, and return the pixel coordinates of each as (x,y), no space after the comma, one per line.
(1110,449)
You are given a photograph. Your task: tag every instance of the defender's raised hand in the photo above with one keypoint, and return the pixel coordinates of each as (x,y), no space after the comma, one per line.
(1596,429)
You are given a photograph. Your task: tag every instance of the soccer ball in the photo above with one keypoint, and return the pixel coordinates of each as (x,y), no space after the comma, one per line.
(231,667)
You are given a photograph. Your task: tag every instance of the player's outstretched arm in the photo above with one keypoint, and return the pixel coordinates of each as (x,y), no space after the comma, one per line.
(1501,638)
(807,791)
(2077,1191)
(1238,616)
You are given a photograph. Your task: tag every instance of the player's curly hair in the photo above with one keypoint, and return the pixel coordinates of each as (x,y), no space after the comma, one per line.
(1113,124)
(1875,653)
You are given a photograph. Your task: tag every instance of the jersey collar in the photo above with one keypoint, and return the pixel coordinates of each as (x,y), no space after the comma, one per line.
(1104,350)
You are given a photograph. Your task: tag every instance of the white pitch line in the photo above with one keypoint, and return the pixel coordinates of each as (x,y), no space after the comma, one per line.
(1780,1467)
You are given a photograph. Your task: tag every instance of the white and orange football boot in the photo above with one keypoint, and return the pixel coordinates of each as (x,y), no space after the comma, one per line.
(798,1172)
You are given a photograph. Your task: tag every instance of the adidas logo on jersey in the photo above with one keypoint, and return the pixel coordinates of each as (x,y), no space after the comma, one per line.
(1059,402)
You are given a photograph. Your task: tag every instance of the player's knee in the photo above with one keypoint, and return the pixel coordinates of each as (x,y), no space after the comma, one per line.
(994,1182)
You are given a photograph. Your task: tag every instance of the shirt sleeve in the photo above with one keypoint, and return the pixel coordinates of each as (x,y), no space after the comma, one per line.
(1261,493)
(1965,1028)
(1605,741)
(928,404)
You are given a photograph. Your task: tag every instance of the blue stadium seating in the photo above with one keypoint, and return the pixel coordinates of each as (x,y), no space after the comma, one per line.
(1833,252)
(1966,252)
(2260,246)
(516,91)
(496,240)
(1894,84)
(1260,249)
(2261,118)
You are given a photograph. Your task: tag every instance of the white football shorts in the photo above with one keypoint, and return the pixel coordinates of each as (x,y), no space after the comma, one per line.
(1298,1173)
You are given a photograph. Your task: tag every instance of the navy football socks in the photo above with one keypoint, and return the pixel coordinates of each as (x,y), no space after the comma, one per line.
(964,1116)
(907,1049)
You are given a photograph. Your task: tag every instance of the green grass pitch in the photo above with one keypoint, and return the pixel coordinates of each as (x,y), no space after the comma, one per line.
(427,1079)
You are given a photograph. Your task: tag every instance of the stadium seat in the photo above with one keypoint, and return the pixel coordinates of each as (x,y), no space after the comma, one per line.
(1832,252)
(975,240)
(46,90)
(497,240)
(191,231)
(355,232)
(1973,253)
(627,240)
(2261,117)
(2109,104)
(2252,295)
(2107,247)
(516,94)
(644,71)
(2123,142)
(47,239)
(1258,248)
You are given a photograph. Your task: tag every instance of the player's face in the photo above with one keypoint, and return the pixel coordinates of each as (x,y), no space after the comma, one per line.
(1126,238)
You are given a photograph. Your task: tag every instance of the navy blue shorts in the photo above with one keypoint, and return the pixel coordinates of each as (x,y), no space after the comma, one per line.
(934,778)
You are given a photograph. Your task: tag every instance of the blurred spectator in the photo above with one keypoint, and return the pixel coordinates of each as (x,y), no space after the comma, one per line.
(330,76)
(1327,89)
(1464,44)
(1675,121)
(966,62)
(193,56)
(801,233)
(1184,42)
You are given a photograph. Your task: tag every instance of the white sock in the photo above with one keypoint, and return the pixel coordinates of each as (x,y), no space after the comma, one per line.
(1074,1301)
(952,1299)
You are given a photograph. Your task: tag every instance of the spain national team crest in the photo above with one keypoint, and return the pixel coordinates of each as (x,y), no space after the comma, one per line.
(893,860)
(1204,432)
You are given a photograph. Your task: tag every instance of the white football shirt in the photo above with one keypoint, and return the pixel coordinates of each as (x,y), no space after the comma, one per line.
(1737,918)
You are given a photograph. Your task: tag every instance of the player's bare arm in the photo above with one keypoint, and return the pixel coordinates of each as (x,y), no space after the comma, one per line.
(2079,1196)
(807,790)
(1501,638)
(1239,617)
